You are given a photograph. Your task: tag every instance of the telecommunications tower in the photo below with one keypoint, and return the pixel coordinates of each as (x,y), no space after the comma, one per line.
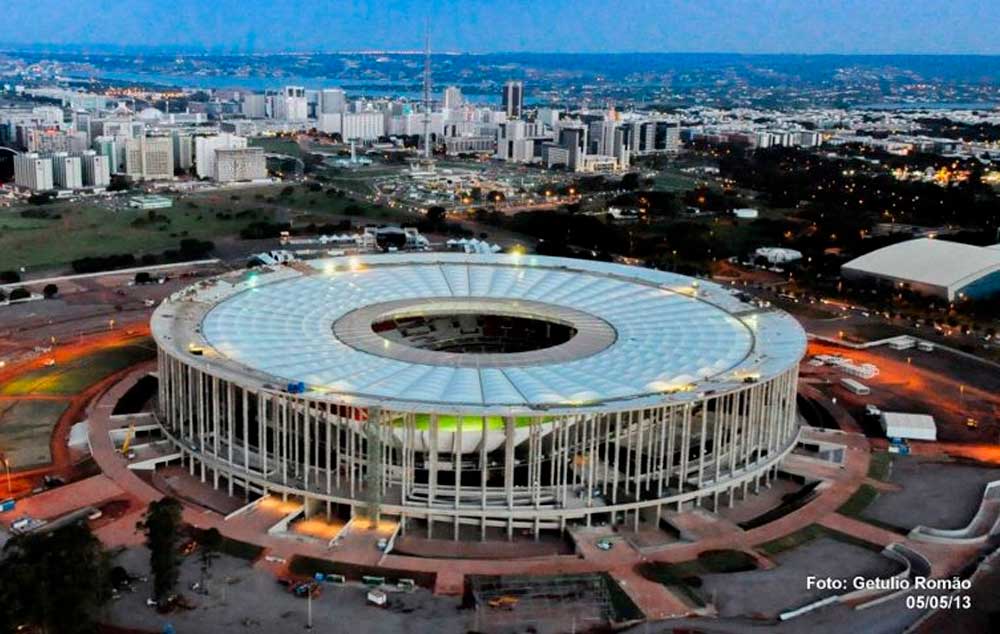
(427,90)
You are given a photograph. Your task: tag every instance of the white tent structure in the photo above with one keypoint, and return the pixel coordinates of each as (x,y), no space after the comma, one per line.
(929,266)
(912,426)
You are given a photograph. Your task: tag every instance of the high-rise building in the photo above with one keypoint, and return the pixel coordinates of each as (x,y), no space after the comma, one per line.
(332,101)
(33,172)
(453,98)
(109,147)
(183,151)
(96,169)
(66,171)
(254,106)
(48,140)
(150,157)
(513,99)
(205,148)
(293,104)
(362,126)
(652,136)
(573,138)
(240,164)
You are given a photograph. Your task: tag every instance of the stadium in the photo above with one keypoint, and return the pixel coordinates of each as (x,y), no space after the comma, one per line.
(475,394)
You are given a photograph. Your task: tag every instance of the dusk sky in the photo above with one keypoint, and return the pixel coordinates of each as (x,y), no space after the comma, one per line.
(741,26)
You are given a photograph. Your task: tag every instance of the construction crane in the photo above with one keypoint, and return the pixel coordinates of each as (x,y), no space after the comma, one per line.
(129,435)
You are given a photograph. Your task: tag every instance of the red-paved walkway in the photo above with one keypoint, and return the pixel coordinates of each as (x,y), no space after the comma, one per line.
(48,505)
(653,598)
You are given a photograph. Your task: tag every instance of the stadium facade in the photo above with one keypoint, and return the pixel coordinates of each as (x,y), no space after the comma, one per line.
(491,392)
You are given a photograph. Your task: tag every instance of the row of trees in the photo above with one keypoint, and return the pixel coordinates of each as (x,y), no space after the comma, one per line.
(58,581)
(188,249)
(48,292)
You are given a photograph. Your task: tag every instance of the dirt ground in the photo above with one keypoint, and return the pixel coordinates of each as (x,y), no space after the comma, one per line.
(242,598)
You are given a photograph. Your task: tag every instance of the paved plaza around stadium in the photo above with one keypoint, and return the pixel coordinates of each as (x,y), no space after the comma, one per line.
(786,548)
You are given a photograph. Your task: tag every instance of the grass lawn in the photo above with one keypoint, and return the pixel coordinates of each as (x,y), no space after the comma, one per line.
(809,533)
(93,230)
(25,429)
(85,229)
(469,423)
(73,376)
(792,540)
(684,577)
(277,145)
(878,468)
(320,206)
(673,180)
(859,501)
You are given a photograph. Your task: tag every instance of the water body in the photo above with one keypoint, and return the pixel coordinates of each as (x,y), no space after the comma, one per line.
(354,88)
(931,105)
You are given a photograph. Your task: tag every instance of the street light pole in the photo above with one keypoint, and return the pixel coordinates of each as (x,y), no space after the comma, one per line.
(309,610)
(6,464)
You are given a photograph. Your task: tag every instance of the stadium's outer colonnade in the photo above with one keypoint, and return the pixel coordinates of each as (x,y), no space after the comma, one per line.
(540,471)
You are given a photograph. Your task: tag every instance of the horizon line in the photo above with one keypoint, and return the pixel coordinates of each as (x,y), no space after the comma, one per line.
(120,49)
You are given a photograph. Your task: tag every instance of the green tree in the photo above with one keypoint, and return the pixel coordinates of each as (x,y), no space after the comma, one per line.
(56,581)
(436,215)
(630,181)
(161,525)
(209,544)
(19,293)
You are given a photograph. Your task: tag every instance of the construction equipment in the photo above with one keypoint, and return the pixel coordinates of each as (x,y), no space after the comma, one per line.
(129,435)
(505,602)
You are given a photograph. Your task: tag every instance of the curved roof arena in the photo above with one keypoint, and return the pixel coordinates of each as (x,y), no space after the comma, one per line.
(642,337)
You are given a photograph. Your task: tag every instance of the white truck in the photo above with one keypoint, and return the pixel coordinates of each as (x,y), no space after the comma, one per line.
(855,387)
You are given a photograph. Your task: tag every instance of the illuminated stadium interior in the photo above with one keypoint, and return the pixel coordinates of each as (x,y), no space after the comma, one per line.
(474,333)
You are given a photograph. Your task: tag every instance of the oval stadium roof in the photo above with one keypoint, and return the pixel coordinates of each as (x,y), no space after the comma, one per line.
(672,338)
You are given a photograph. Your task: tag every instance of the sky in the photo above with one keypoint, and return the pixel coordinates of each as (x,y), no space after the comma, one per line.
(480,26)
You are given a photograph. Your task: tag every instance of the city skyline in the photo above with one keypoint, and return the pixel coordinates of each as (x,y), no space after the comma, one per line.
(777,27)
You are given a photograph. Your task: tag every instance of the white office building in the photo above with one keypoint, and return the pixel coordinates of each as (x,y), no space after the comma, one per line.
(66,171)
(362,126)
(33,172)
(96,169)
(150,158)
(453,99)
(183,151)
(513,99)
(205,148)
(292,105)
(240,164)
(332,101)
(254,106)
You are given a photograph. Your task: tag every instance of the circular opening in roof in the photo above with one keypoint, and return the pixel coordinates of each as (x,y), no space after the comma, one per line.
(473,333)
